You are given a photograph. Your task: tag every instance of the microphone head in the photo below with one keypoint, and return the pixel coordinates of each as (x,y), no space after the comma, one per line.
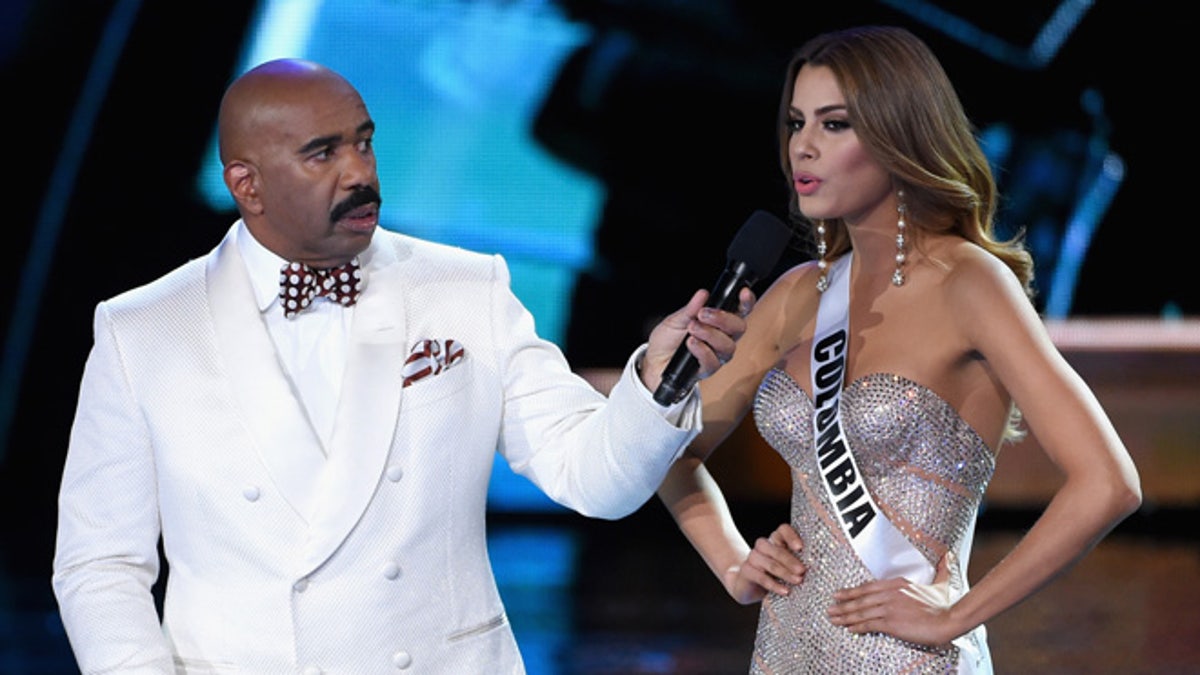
(760,243)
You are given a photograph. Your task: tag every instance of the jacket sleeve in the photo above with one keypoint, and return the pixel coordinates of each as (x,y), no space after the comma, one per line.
(602,457)
(106,556)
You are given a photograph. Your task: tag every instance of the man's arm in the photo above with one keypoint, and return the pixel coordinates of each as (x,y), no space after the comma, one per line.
(106,557)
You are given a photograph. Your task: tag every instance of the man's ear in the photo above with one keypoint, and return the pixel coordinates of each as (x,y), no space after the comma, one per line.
(242,181)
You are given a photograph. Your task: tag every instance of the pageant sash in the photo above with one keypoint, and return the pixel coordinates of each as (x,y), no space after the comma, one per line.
(884,550)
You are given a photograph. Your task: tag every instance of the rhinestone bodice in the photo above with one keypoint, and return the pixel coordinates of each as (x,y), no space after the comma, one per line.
(927,471)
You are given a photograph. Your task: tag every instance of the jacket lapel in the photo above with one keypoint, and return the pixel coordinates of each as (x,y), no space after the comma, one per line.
(369,405)
(269,408)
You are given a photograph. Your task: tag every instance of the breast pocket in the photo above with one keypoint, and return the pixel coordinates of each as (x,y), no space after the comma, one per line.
(438,386)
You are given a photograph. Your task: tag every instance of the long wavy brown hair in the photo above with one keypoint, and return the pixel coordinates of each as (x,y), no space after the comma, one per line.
(908,115)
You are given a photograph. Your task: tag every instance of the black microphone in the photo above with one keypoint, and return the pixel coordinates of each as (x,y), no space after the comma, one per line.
(753,253)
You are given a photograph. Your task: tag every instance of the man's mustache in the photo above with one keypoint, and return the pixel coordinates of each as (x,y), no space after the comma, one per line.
(360,197)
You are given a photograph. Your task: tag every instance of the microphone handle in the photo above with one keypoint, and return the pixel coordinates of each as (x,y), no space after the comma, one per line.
(680,373)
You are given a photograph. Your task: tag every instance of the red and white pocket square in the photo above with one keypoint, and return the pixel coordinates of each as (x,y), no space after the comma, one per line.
(431,357)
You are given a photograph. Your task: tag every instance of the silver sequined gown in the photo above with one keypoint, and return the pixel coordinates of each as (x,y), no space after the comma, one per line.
(926,469)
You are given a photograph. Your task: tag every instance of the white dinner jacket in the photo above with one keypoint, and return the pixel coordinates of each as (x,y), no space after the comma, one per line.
(281,560)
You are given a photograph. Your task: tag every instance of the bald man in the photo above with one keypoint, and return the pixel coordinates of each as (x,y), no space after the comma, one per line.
(306,419)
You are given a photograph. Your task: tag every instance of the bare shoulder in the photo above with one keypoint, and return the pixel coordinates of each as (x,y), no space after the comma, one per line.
(793,295)
(976,279)
(985,297)
(796,279)
(781,316)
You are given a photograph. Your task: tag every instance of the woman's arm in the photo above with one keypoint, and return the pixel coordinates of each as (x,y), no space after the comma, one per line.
(695,501)
(1100,489)
(692,495)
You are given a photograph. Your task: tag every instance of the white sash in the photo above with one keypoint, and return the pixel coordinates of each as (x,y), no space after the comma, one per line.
(884,550)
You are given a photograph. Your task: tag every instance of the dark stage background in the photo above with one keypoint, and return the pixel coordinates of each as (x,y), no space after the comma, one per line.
(109,109)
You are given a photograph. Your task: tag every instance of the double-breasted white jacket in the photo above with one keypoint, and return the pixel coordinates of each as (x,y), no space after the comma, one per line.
(368,556)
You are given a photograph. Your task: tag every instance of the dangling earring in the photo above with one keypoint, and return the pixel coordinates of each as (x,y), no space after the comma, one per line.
(822,264)
(898,275)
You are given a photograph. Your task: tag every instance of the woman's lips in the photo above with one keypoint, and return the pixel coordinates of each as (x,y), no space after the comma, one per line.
(806,184)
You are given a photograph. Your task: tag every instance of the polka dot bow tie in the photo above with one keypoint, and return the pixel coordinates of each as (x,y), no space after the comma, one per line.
(300,284)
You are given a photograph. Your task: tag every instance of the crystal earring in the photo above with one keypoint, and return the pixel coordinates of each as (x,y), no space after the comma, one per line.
(822,264)
(898,275)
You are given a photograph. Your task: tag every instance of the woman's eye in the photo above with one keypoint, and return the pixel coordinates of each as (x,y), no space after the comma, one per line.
(837,124)
(794,125)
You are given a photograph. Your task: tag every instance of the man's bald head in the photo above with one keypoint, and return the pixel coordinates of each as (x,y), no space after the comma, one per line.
(257,96)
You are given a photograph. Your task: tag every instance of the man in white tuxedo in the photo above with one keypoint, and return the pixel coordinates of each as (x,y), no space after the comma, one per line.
(316,465)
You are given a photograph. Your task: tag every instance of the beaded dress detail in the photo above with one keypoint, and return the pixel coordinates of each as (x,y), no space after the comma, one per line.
(926,469)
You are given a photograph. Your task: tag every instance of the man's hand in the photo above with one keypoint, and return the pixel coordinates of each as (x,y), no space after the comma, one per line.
(710,334)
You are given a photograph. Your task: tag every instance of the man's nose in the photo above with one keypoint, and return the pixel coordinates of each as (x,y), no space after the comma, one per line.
(359,170)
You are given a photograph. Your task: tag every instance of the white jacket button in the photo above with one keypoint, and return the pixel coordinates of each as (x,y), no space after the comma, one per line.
(251,493)
(391,571)
(301,585)
(402,660)
(395,473)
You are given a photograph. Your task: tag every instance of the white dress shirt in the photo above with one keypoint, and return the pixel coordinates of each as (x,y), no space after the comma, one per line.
(311,346)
